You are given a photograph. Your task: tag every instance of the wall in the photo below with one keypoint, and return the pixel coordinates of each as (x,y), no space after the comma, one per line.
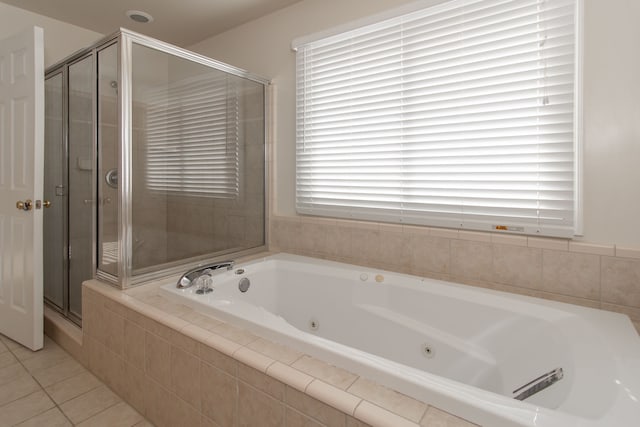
(612,122)
(611,100)
(60,39)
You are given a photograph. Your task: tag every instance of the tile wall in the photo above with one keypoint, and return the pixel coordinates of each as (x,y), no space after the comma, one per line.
(591,275)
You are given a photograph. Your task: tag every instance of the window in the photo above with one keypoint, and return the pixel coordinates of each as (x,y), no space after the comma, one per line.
(192,137)
(460,115)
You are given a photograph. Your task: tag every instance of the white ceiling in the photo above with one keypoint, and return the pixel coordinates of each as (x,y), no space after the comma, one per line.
(181,22)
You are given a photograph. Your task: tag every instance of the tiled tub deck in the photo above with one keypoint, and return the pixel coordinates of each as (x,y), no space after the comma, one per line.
(179,367)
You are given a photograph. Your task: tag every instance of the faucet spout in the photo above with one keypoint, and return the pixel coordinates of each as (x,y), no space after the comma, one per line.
(189,278)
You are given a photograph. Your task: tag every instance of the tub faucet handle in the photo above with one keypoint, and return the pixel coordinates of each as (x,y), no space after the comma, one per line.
(204,282)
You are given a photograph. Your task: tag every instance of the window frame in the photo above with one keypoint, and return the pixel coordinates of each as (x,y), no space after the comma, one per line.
(577,220)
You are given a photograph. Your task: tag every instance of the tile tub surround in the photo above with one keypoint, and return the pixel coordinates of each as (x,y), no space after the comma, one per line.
(177,366)
(591,275)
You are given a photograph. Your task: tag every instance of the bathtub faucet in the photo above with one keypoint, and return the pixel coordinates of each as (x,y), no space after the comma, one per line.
(190,277)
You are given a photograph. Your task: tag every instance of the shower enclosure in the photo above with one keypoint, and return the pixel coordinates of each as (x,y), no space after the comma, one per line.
(155,163)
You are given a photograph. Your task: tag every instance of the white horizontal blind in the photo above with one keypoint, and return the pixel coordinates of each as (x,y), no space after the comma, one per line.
(459,115)
(192,138)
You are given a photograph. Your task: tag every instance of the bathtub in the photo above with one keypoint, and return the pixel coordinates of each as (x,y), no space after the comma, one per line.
(493,358)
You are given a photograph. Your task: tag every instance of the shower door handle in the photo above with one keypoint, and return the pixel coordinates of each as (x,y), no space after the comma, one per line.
(111,178)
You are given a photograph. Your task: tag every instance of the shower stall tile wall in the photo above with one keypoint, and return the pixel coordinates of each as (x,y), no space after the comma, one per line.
(597,276)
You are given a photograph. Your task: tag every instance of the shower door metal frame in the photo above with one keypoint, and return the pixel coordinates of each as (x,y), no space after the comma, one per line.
(62,68)
(64,310)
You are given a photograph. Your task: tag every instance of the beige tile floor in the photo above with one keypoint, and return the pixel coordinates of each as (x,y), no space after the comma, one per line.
(50,388)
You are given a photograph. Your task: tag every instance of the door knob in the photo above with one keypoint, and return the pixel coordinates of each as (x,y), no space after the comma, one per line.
(27,205)
(46,203)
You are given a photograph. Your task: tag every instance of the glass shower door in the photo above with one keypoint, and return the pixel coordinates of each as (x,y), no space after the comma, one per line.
(81,172)
(54,224)
(69,185)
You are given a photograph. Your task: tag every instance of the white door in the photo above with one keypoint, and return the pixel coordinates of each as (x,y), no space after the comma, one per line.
(21,179)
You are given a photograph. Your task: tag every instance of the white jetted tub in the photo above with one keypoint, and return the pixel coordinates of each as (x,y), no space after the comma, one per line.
(493,358)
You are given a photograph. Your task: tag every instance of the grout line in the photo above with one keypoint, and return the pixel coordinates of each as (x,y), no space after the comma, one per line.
(41,388)
(103,410)
(292,363)
(56,405)
(73,376)
(356,409)
(39,413)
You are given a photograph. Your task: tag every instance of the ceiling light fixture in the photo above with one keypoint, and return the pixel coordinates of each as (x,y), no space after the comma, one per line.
(139,16)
